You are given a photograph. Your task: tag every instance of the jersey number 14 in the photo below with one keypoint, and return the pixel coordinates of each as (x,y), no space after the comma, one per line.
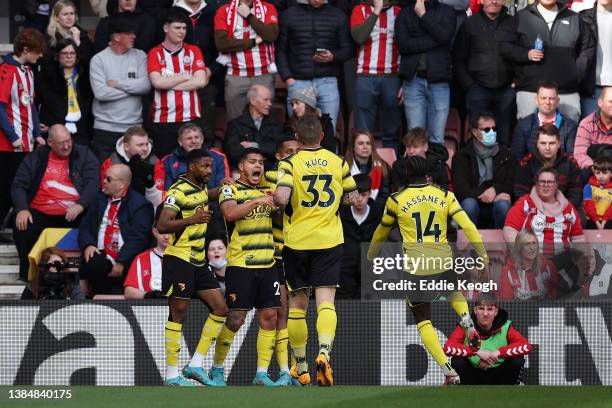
(431,229)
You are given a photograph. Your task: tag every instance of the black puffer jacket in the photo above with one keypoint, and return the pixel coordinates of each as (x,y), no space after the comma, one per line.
(303,29)
(589,18)
(465,170)
(431,34)
(438,171)
(568,49)
(145,27)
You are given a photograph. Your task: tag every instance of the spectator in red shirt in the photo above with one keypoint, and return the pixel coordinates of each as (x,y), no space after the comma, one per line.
(500,359)
(53,186)
(527,274)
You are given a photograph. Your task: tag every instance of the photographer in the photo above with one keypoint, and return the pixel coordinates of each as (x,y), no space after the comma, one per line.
(57,278)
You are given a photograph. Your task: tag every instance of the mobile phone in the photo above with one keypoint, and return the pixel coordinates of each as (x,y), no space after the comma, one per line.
(320,51)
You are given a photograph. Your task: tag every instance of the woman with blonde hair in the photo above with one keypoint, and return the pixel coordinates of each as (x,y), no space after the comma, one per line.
(362,158)
(63,23)
(527,274)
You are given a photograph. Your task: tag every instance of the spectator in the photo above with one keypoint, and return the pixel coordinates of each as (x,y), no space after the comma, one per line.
(254,128)
(116,228)
(548,154)
(424,30)
(63,24)
(35,13)
(18,132)
(595,131)
(599,73)
(190,137)
(64,92)
(245,32)
(53,186)
(545,211)
(118,80)
(177,70)
(99,8)
(304,103)
(201,33)
(358,223)
(597,205)
(56,278)
(500,359)
(481,71)
(134,150)
(527,275)
(143,25)
(216,253)
(377,83)
(417,144)
(362,158)
(567,51)
(547,112)
(313,44)
(144,279)
(484,174)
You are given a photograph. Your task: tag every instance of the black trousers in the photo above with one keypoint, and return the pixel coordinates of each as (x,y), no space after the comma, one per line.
(96,271)
(104,143)
(509,373)
(9,162)
(25,240)
(165,137)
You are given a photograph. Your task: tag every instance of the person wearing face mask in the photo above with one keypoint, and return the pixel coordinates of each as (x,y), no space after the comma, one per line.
(216,252)
(485,174)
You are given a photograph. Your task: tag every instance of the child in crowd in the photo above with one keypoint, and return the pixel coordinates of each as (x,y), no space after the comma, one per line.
(597,195)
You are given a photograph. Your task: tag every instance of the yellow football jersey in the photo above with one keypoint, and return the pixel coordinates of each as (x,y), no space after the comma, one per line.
(277,218)
(251,244)
(422,211)
(318,179)
(185,198)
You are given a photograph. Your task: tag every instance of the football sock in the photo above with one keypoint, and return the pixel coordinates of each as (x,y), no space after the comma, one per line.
(326,326)
(280,348)
(459,304)
(431,342)
(265,348)
(173,347)
(210,331)
(298,337)
(222,346)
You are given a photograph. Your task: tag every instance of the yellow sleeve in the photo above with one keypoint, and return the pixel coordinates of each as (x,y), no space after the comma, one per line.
(175,200)
(348,183)
(469,229)
(384,228)
(285,174)
(227,193)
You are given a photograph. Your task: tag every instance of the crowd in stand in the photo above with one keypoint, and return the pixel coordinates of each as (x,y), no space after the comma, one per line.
(94,130)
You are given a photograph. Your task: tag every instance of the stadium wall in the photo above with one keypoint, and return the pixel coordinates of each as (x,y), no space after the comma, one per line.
(121,343)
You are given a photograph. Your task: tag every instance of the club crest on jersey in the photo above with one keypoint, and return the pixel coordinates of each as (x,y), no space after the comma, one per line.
(25,99)
(187,60)
(155,284)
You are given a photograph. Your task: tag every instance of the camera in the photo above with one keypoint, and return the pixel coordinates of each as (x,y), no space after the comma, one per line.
(56,279)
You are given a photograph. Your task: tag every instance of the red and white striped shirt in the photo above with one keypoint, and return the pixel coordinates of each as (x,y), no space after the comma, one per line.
(146,271)
(17,92)
(553,233)
(175,106)
(378,55)
(257,60)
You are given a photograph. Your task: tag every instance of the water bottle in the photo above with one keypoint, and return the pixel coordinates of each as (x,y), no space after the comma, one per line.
(538,44)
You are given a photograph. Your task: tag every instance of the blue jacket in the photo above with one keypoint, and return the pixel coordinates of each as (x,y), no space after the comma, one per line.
(135,222)
(175,164)
(526,133)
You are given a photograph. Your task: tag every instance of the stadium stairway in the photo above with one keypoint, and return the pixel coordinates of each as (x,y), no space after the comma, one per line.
(10,288)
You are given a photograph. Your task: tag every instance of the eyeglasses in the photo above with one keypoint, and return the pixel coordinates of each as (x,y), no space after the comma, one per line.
(547,182)
(488,129)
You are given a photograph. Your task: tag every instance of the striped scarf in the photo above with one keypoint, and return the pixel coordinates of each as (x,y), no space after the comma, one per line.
(74,111)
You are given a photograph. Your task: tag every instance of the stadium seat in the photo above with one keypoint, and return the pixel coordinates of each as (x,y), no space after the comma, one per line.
(279,112)
(467,129)
(109,297)
(453,126)
(387,154)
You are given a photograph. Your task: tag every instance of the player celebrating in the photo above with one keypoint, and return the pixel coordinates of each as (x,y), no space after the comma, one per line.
(284,149)
(184,270)
(422,211)
(311,185)
(250,278)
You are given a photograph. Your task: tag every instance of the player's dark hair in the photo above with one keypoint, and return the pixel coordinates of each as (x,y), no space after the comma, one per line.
(195,155)
(363,182)
(284,139)
(249,150)
(416,168)
(602,163)
(486,298)
(175,16)
(480,115)
(549,130)
(309,130)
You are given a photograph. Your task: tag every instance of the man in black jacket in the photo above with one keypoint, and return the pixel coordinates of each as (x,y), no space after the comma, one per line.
(424,30)
(549,154)
(481,71)
(567,51)
(116,228)
(313,43)
(485,174)
(255,128)
(53,186)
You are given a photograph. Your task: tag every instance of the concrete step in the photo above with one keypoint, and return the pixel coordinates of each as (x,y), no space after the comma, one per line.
(11,291)
(8,250)
(8,274)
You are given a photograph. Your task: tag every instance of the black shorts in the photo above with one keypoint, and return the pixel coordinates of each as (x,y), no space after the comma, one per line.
(248,288)
(417,296)
(180,279)
(312,268)
(280,271)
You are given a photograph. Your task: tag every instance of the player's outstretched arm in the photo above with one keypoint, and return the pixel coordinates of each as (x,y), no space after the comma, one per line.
(380,236)
(232,211)
(471,232)
(281,196)
(168,223)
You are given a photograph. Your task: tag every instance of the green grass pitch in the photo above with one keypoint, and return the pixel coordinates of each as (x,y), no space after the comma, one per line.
(340,396)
